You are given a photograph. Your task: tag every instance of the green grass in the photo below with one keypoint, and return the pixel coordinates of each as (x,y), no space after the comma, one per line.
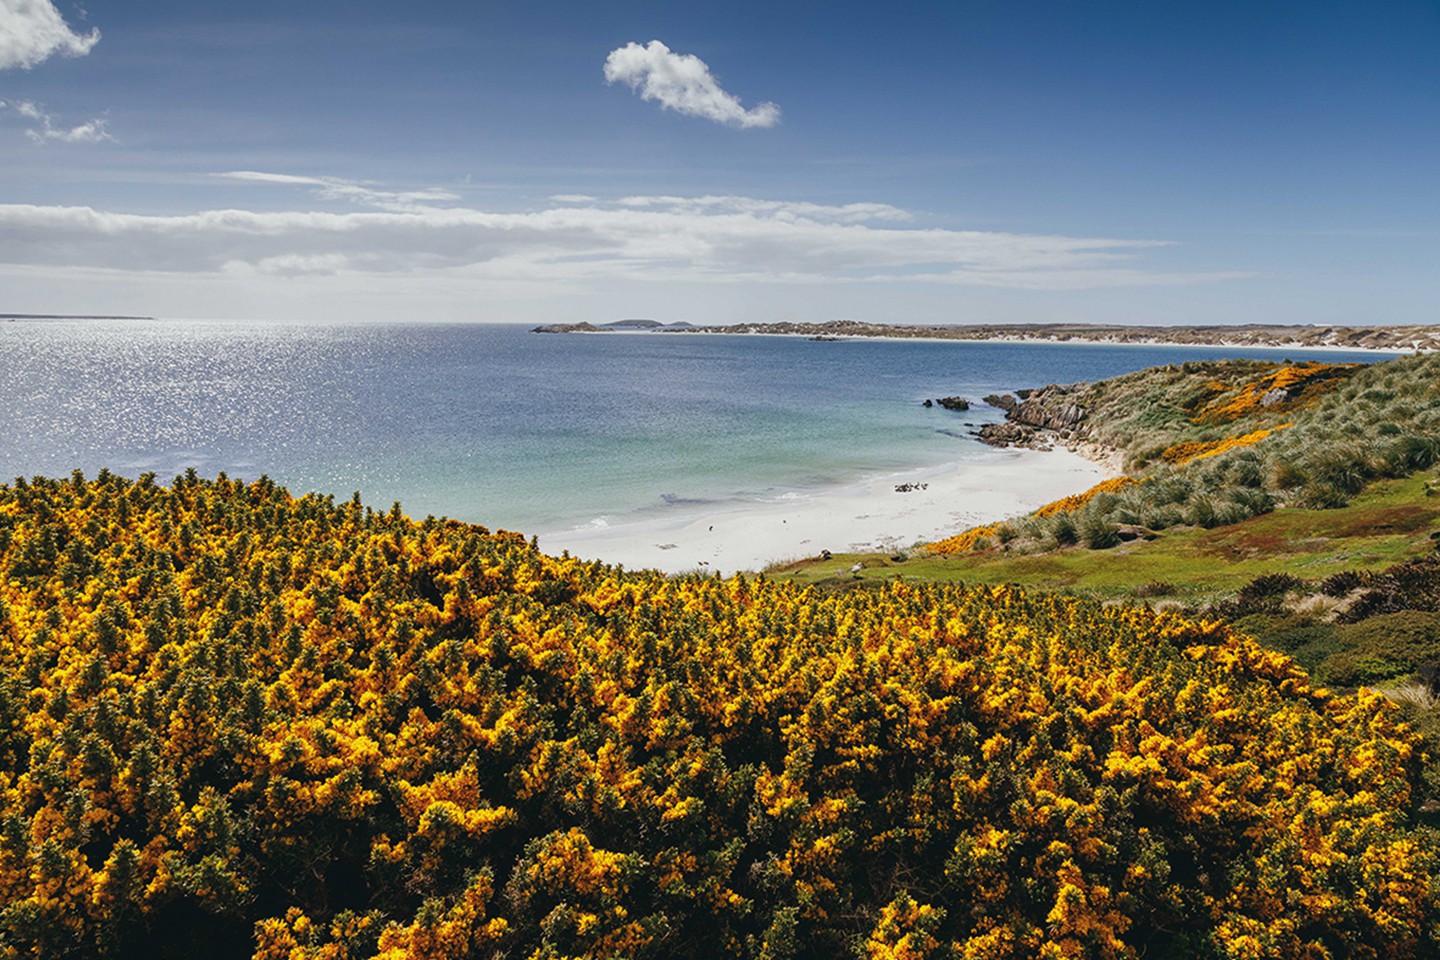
(1390,521)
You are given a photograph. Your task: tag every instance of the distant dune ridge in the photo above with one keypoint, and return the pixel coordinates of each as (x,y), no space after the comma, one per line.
(1399,337)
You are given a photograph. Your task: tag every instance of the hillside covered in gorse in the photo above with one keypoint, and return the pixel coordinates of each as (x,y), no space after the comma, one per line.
(236,723)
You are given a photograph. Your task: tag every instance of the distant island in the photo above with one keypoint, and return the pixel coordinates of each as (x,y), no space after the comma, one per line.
(67,316)
(1416,337)
(634,324)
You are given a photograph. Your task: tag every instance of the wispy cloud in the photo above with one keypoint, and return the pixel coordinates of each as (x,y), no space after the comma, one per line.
(709,239)
(91,131)
(778,209)
(32,31)
(683,83)
(356,191)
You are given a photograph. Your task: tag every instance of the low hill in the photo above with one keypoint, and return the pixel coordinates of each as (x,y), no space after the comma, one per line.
(1378,337)
(234,722)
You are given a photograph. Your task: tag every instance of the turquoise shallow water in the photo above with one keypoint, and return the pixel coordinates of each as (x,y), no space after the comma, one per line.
(504,427)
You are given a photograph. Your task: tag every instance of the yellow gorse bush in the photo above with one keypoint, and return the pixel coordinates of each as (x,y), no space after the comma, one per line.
(1076,501)
(1288,388)
(965,540)
(233,720)
(1182,453)
(969,539)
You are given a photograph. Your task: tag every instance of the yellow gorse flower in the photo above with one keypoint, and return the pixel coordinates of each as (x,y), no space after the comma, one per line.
(311,730)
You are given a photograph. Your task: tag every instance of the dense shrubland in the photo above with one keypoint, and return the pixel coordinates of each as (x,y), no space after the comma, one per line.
(1352,628)
(236,722)
(1217,442)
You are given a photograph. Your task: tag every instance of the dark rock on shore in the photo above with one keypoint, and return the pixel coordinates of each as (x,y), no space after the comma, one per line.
(1051,408)
(954,403)
(1038,418)
(1012,435)
(1003,401)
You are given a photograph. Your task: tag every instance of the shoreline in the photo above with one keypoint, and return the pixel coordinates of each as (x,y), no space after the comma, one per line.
(866,517)
(931,336)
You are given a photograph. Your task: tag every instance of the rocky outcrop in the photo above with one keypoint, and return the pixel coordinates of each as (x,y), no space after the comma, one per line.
(1038,419)
(1051,408)
(954,403)
(1002,401)
(1012,434)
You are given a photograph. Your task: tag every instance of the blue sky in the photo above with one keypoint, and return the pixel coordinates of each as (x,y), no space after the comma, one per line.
(1145,162)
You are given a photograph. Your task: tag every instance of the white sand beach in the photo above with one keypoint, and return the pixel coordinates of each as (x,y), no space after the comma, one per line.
(871,516)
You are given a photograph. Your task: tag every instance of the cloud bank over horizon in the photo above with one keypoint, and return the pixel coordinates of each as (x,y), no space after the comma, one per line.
(682,82)
(356,191)
(32,31)
(710,239)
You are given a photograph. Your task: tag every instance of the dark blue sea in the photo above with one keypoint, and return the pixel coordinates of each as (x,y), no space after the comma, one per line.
(497,425)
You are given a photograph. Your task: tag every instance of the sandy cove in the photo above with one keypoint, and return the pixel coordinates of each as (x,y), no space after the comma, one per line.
(866,517)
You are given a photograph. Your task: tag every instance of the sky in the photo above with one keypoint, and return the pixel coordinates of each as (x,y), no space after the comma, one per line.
(1149,162)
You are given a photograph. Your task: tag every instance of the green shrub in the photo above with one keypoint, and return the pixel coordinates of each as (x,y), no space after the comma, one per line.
(1343,468)
(1203,512)
(1096,533)
(1409,453)
(1383,647)
(1286,475)
(1307,641)
(1340,584)
(1321,496)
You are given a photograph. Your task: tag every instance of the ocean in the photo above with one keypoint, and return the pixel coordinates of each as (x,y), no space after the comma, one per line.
(515,430)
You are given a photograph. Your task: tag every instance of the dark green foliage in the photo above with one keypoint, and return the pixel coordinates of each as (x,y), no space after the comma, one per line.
(1096,533)
(1414,585)
(1270,585)
(1340,584)
(1383,647)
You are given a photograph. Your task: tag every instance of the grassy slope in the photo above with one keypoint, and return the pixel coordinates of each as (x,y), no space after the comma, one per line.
(1389,522)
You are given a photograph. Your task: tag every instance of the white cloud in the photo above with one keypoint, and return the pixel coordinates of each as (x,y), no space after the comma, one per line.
(779,209)
(31,31)
(645,239)
(356,191)
(91,131)
(683,83)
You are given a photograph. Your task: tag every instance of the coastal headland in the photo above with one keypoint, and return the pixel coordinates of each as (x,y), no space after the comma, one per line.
(1403,338)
